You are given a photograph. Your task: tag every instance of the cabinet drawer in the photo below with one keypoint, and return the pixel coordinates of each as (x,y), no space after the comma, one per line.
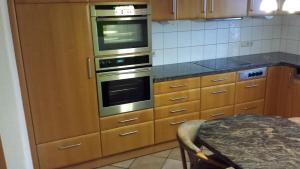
(177,109)
(217,113)
(127,138)
(178,97)
(250,107)
(166,129)
(217,96)
(126,119)
(69,151)
(218,79)
(250,90)
(176,85)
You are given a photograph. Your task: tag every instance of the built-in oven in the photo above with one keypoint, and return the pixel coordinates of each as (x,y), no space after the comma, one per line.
(124,84)
(121,28)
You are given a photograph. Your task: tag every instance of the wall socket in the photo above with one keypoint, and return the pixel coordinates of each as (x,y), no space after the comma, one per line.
(246,44)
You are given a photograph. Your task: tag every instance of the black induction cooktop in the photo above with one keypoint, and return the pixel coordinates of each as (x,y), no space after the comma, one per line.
(223,63)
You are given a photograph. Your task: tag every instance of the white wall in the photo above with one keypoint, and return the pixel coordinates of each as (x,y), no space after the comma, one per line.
(191,40)
(290,37)
(12,122)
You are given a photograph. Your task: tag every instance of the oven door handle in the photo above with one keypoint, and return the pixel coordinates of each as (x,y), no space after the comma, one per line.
(130,71)
(122,18)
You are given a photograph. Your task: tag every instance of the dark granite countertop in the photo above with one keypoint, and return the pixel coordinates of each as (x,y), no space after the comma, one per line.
(253,141)
(213,66)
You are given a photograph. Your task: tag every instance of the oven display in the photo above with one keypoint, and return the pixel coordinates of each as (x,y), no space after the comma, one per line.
(116,62)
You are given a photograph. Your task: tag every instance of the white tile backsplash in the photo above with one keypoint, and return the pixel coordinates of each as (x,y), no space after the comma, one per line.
(193,40)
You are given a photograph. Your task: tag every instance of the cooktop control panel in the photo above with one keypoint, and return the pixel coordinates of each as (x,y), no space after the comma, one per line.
(252,73)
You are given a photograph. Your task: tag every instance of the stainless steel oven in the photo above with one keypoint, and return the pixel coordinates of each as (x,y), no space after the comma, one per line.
(124,84)
(121,28)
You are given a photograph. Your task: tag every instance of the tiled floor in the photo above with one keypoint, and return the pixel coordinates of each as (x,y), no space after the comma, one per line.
(169,159)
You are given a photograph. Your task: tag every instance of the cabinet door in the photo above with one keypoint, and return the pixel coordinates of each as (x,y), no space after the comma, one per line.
(277,99)
(226,8)
(57,46)
(190,9)
(253,8)
(295,96)
(163,9)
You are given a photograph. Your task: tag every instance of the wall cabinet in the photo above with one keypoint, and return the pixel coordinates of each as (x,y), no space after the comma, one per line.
(57,48)
(163,10)
(295,95)
(226,8)
(190,9)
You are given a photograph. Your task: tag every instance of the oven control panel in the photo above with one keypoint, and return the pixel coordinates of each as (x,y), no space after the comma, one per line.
(252,73)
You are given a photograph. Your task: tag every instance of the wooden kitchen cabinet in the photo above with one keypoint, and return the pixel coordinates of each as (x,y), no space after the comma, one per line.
(190,9)
(250,107)
(295,96)
(176,97)
(226,8)
(69,151)
(2,159)
(176,85)
(250,90)
(57,51)
(163,10)
(217,113)
(278,93)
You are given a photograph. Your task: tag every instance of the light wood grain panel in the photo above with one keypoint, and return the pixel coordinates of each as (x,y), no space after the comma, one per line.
(217,113)
(166,129)
(127,138)
(69,151)
(218,79)
(226,8)
(256,107)
(176,85)
(48,1)
(178,97)
(162,10)
(129,1)
(56,42)
(217,96)
(177,109)
(22,81)
(295,95)
(126,119)
(250,90)
(190,9)
(2,159)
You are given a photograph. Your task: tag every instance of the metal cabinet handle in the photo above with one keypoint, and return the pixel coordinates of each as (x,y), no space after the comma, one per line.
(90,68)
(178,98)
(176,123)
(212,6)
(251,5)
(219,80)
(217,114)
(249,108)
(129,133)
(219,92)
(174,7)
(251,86)
(69,146)
(204,6)
(177,86)
(128,120)
(178,110)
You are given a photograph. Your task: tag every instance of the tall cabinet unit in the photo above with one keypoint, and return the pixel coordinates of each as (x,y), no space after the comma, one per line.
(58,61)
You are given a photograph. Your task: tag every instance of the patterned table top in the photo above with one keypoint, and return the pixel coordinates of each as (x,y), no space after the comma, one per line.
(253,141)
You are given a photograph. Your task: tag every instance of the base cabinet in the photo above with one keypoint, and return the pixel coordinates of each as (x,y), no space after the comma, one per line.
(69,151)
(127,138)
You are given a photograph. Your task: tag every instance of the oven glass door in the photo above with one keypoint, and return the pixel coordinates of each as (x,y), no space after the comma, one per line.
(125,91)
(117,34)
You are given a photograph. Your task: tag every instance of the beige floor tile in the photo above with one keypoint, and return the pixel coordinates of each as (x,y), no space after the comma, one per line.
(175,155)
(174,164)
(162,154)
(124,164)
(147,162)
(109,167)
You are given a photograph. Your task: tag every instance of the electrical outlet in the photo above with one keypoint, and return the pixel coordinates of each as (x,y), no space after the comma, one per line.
(246,44)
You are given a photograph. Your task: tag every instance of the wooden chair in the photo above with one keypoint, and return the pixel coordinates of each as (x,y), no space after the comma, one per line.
(198,160)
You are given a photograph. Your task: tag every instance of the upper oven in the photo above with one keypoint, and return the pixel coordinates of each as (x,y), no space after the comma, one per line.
(121,28)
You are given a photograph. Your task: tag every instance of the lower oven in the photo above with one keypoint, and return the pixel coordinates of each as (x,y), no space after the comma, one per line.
(125,90)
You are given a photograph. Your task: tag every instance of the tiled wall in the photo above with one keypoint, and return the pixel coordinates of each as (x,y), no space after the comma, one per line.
(290,37)
(191,40)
